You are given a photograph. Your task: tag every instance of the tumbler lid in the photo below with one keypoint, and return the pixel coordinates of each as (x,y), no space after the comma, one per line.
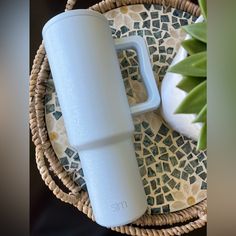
(72,13)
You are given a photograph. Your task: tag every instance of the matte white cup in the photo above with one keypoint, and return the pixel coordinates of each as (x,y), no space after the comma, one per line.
(85,69)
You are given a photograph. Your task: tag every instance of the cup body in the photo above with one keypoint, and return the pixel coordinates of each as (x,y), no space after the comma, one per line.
(97,118)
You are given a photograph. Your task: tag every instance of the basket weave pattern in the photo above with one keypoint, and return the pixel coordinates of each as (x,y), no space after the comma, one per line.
(49,166)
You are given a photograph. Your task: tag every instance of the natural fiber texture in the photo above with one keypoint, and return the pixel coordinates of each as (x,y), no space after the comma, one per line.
(50,167)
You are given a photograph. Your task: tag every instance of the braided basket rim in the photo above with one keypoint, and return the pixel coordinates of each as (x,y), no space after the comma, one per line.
(49,166)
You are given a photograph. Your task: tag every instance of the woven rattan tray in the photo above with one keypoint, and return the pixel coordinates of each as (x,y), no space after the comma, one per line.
(173,172)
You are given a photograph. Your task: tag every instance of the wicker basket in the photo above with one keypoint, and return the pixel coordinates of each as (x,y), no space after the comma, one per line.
(51,169)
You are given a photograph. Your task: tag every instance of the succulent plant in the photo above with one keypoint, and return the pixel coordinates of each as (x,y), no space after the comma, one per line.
(194,73)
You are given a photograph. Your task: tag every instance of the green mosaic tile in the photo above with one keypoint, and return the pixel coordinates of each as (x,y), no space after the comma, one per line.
(153,184)
(203,175)
(149,132)
(162,58)
(151,172)
(177,186)
(192,179)
(155,58)
(138,137)
(176,173)
(158,190)
(201,156)
(179,155)
(190,156)
(154,150)
(162,49)
(47,98)
(143,171)
(80,172)
(154,15)
(175,134)
(132,70)
(164,157)
(169,50)
(168,141)
(124,29)
(156,23)
(147,32)
(205,163)
(182,163)
(204,185)
(74,165)
(137,146)
(147,190)
(152,49)
(150,40)
(165,18)
(69,152)
(164,26)
(180,141)
(169,60)
(173,161)
(144,15)
(146,152)
(145,124)
(173,149)
(145,182)
(158,34)
(184,175)
(160,199)
(163,130)
(169,197)
(140,161)
(150,201)
(172,183)
(166,35)
(147,141)
(146,24)
(165,178)
(189,169)
(136,25)
(124,73)
(166,167)
(165,189)
(194,163)
(76,157)
(159,168)
(64,161)
(199,169)
(166,208)
(124,62)
(149,160)
(156,210)
(183,22)
(187,148)
(50,108)
(140,33)
(80,181)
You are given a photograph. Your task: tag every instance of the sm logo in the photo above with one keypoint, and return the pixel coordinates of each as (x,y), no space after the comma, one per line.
(118,206)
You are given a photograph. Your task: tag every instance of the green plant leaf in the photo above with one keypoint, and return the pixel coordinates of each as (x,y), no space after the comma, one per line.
(202,115)
(194,65)
(197,31)
(202,140)
(194,101)
(203,7)
(188,83)
(193,46)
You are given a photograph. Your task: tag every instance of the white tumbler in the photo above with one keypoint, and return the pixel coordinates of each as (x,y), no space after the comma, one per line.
(85,69)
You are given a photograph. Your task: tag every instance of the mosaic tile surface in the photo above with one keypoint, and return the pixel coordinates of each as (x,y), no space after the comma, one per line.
(173,172)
